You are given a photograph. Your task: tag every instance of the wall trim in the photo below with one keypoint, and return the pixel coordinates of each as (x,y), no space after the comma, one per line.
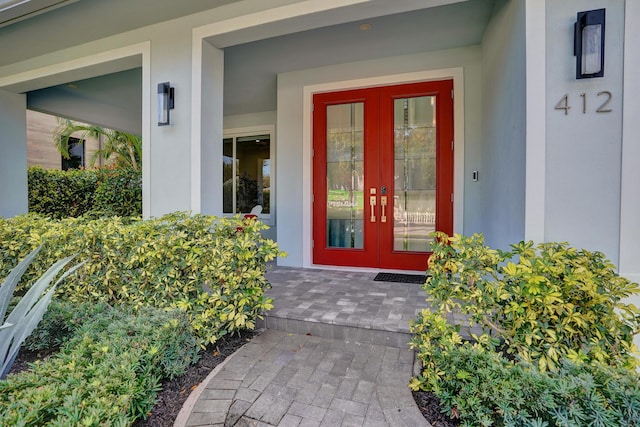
(196,120)
(271,15)
(629,256)
(536,133)
(456,73)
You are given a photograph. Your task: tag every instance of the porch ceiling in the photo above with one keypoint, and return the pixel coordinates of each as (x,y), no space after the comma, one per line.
(251,69)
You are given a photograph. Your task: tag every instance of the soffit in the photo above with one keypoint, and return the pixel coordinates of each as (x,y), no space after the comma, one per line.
(251,69)
(83,21)
(12,11)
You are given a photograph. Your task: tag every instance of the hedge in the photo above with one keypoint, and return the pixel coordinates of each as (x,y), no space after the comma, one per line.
(555,346)
(93,192)
(109,373)
(211,268)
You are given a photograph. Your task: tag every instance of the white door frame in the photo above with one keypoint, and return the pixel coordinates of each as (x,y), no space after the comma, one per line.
(456,74)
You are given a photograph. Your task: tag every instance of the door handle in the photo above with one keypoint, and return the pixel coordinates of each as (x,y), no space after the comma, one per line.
(372,204)
(383,204)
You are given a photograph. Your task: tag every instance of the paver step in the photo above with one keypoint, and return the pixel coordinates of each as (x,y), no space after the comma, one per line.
(326,329)
(342,305)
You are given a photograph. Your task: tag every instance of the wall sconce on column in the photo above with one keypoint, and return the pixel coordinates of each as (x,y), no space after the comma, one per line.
(165,103)
(588,44)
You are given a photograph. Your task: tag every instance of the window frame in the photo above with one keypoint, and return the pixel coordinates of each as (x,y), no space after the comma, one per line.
(236,133)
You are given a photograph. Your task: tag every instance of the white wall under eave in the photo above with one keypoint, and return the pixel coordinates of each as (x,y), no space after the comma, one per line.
(170,147)
(207,177)
(584,149)
(293,196)
(630,190)
(264,118)
(500,191)
(13,154)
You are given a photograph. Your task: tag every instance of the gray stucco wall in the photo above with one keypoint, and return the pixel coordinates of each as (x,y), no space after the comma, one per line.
(500,192)
(583,153)
(13,154)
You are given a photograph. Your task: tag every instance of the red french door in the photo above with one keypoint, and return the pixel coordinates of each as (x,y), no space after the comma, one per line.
(383,174)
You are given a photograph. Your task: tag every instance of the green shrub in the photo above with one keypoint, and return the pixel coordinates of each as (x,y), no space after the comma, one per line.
(556,341)
(483,388)
(61,194)
(60,323)
(199,264)
(108,374)
(119,192)
(540,304)
(94,192)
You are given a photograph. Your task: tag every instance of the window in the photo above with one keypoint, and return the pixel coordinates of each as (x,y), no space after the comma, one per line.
(76,155)
(246,174)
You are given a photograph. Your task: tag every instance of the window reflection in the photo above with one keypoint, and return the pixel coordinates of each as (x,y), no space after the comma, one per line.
(246,173)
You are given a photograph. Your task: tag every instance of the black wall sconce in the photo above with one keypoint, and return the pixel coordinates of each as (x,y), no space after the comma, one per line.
(165,103)
(588,44)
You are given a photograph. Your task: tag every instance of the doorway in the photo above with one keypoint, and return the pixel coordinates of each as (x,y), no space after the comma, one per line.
(383,174)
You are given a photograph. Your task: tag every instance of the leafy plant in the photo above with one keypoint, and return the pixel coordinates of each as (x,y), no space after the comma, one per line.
(198,264)
(482,388)
(108,374)
(94,192)
(541,304)
(118,192)
(535,336)
(122,149)
(60,323)
(26,315)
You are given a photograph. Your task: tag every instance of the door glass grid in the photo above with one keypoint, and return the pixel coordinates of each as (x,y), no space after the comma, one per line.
(414,201)
(345,176)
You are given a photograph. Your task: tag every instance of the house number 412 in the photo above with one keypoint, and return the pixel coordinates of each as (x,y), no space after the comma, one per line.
(604,99)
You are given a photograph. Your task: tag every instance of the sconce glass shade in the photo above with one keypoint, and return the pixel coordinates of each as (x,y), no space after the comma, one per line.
(165,103)
(591,49)
(589,44)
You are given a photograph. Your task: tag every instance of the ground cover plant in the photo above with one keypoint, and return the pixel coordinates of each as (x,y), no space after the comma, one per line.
(108,373)
(60,323)
(210,268)
(553,341)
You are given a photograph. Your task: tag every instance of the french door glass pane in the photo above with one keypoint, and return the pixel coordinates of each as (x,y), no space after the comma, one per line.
(414,201)
(345,175)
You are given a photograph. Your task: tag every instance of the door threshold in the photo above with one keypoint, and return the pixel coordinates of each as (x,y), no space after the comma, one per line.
(362,269)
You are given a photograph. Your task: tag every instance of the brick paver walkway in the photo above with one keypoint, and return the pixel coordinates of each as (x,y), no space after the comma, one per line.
(285,379)
(334,353)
